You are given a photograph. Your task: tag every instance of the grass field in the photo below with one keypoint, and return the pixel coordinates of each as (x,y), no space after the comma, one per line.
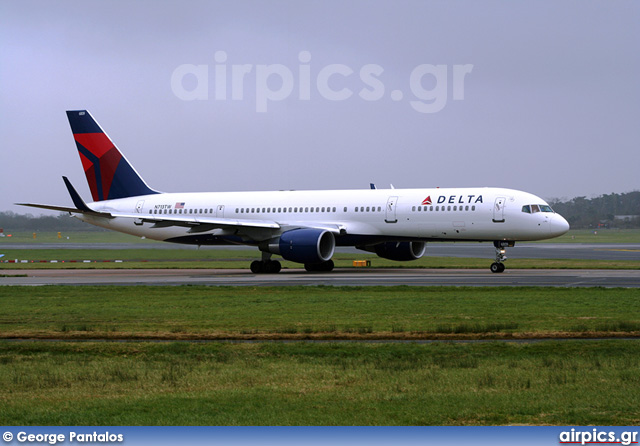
(574,382)
(561,383)
(197,312)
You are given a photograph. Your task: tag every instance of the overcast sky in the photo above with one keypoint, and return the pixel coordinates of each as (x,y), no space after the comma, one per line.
(537,96)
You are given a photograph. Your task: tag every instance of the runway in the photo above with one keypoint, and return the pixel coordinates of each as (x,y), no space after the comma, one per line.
(338,277)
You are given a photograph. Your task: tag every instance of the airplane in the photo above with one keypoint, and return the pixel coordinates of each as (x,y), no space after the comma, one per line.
(300,226)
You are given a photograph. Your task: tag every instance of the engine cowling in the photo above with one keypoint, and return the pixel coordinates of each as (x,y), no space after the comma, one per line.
(400,251)
(305,245)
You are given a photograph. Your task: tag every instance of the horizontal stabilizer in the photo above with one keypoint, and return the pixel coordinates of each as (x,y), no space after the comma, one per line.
(81,206)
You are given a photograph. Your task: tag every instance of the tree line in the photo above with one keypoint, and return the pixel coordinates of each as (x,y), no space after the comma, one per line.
(12,222)
(606,210)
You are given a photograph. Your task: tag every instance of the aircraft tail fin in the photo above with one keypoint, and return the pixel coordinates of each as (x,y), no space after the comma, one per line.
(109,174)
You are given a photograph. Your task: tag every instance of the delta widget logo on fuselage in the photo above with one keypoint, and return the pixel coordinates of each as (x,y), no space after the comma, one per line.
(454,199)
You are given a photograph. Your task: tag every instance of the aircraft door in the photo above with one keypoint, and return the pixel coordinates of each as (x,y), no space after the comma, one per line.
(220,211)
(498,210)
(139,206)
(390,215)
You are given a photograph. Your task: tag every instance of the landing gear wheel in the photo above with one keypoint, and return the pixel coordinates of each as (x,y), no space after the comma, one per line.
(268,267)
(497,267)
(257,267)
(272,267)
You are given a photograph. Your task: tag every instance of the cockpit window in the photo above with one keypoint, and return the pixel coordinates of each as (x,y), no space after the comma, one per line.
(533,208)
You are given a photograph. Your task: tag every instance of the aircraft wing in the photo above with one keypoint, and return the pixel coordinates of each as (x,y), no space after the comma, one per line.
(203,224)
(162,221)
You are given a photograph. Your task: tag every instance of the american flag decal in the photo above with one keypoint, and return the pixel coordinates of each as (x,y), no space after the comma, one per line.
(179,205)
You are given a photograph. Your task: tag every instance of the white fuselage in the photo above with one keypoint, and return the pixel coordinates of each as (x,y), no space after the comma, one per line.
(479,214)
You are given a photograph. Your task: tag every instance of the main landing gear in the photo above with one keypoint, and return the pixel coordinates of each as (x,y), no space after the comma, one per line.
(500,245)
(266,265)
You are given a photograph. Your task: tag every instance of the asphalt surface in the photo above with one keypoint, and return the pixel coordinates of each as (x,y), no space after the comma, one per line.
(338,277)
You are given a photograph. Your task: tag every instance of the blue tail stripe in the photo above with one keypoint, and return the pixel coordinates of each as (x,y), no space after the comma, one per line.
(127,183)
(82,122)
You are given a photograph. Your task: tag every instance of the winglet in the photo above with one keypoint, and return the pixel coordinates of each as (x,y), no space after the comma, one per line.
(75,196)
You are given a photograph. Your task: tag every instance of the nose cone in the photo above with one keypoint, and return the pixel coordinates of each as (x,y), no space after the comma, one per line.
(558,225)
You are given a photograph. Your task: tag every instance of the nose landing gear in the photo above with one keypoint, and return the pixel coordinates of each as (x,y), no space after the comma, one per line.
(500,245)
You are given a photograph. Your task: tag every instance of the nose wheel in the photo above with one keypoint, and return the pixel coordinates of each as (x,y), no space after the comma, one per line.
(498,265)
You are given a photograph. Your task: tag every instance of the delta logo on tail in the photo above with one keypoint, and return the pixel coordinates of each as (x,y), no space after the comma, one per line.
(108,173)
(100,160)
(427,200)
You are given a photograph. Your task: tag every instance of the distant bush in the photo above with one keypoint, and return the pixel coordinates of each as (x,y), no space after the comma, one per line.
(12,222)
(585,213)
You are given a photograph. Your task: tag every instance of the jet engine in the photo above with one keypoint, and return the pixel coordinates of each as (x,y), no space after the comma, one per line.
(305,245)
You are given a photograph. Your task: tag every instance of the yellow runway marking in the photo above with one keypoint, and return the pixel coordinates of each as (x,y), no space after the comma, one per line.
(620,250)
